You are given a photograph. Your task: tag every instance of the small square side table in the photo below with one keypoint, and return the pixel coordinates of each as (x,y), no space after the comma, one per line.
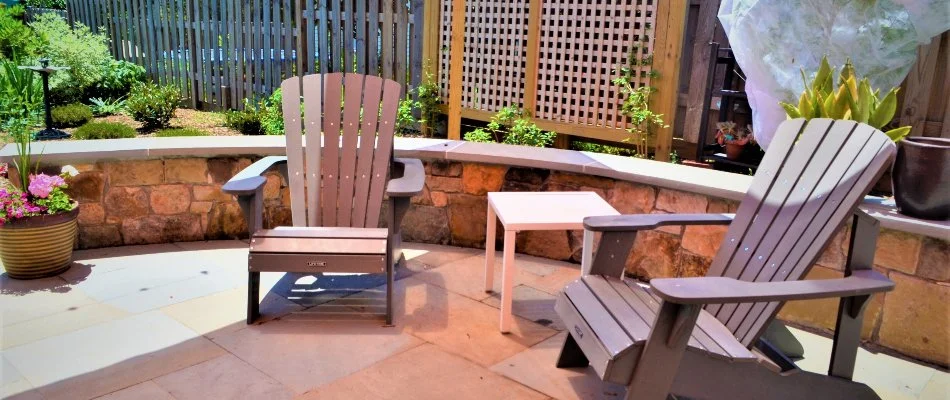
(535,211)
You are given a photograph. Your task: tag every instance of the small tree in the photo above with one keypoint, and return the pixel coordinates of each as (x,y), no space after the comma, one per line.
(636,103)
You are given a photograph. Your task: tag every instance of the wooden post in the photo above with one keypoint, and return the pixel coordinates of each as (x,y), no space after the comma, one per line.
(699,71)
(667,49)
(530,95)
(456,53)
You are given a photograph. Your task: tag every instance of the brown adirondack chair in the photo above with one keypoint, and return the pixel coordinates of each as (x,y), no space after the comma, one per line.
(700,337)
(336,191)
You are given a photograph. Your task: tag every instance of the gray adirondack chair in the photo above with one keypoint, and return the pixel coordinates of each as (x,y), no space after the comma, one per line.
(700,337)
(336,191)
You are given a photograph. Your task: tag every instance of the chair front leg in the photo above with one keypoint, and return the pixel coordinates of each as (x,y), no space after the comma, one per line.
(397,210)
(571,355)
(659,362)
(253,208)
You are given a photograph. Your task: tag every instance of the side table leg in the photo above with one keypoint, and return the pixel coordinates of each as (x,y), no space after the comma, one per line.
(508,274)
(587,252)
(490,249)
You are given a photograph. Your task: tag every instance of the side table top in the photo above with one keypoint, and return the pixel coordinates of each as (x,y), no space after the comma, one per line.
(547,210)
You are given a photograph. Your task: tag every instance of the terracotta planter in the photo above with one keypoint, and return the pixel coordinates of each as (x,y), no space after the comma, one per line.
(921,178)
(40,246)
(734,150)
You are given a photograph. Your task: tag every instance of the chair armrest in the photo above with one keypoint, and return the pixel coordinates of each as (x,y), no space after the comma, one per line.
(720,290)
(249,179)
(642,222)
(411,182)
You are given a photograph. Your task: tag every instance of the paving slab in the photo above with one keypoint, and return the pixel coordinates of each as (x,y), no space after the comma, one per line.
(226,311)
(148,390)
(73,319)
(109,356)
(304,355)
(423,373)
(460,325)
(28,300)
(535,368)
(531,304)
(225,377)
(883,373)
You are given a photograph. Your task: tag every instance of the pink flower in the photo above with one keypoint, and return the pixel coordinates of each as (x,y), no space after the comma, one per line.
(41,185)
(3,170)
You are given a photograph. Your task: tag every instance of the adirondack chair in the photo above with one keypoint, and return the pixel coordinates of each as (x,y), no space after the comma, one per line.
(336,192)
(699,337)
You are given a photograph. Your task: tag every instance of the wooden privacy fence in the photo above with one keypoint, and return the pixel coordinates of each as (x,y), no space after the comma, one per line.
(557,58)
(219,52)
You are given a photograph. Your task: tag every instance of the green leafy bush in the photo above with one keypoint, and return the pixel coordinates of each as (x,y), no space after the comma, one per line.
(176,132)
(153,105)
(106,107)
(405,121)
(54,4)
(103,130)
(85,53)
(17,41)
(512,126)
(246,121)
(272,116)
(117,80)
(72,115)
(21,92)
(602,148)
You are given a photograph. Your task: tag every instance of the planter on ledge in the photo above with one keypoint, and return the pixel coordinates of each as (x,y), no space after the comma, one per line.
(38,246)
(921,178)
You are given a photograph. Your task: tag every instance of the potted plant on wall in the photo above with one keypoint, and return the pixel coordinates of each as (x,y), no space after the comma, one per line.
(732,139)
(921,171)
(37,218)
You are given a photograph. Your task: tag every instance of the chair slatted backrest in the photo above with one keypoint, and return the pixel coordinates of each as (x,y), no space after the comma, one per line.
(812,178)
(342,184)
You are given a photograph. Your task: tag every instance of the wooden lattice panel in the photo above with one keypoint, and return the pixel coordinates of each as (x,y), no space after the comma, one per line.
(493,71)
(583,44)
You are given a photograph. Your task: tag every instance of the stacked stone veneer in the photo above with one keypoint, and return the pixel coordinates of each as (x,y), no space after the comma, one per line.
(180,199)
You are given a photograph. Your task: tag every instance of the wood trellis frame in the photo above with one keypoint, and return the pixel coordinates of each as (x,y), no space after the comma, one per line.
(556,58)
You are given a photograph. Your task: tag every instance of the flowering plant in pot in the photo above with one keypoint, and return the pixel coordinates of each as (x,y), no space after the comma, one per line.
(734,140)
(37,217)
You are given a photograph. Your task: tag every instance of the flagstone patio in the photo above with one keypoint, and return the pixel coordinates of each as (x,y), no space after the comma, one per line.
(167,322)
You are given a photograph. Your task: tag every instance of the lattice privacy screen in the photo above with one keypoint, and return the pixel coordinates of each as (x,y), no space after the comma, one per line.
(496,34)
(582,44)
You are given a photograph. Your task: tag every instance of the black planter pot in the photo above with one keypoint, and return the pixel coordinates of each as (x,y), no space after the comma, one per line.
(921,178)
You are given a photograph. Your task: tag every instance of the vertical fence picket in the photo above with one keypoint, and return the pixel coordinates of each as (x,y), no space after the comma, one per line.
(372,38)
(360,20)
(402,36)
(387,41)
(415,43)
(323,36)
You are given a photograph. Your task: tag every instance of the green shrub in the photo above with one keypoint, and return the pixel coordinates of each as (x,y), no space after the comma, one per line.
(512,126)
(104,130)
(405,121)
(153,105)
(272,116)
(117,80)
(602,148)
(21,92)
(246,121)
(17,41)
(72,115)
(480,136)
(54,4)
(180,132)
(106,107)
(85,53)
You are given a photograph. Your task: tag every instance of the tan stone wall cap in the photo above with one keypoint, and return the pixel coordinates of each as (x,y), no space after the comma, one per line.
(696,180)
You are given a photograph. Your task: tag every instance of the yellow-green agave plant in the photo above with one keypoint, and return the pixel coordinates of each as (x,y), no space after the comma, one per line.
(851,99)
